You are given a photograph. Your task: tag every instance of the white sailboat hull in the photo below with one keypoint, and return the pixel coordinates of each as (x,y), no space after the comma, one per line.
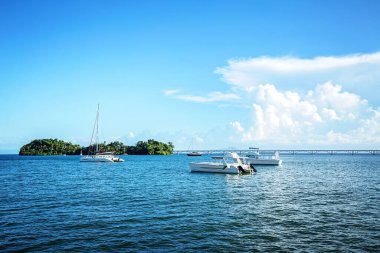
(96,158)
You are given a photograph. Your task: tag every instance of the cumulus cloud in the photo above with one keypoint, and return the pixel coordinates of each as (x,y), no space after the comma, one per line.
(280,115)
(324,116)
(318,101)
(360,72)
(321,101)
(237,126)
(335,101)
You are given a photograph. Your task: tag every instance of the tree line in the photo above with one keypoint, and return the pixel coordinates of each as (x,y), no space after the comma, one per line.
(59,147)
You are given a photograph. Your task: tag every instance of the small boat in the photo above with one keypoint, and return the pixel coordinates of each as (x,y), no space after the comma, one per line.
(230,163)
(94,155)
(194,154)
(255,158)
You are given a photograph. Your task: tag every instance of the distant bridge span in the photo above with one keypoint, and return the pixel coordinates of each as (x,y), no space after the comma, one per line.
(288,151)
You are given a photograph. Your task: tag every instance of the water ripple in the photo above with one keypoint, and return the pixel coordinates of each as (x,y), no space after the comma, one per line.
(152,203)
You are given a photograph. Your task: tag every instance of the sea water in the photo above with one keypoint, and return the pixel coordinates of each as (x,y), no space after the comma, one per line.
(312,203)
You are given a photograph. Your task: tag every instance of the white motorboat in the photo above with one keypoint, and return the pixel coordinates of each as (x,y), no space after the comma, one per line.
(94,155)
(255,158)
(230,163)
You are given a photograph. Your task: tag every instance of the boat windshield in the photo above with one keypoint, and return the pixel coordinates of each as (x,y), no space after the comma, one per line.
(263,155)
(229,158)
(218,159)
(233,158)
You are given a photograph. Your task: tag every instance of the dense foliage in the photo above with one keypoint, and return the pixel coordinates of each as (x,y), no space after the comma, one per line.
(58,147)
(151,147)
(50,147)
(117,147)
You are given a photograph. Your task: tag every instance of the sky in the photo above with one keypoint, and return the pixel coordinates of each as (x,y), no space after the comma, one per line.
(201,74)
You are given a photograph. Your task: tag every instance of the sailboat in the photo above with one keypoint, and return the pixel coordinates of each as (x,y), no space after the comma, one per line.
(193,153)
(94,155)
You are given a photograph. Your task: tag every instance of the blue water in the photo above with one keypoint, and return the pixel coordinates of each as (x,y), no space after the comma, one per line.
(313,203)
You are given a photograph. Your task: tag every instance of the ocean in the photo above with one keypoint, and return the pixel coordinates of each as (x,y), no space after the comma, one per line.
(312,203)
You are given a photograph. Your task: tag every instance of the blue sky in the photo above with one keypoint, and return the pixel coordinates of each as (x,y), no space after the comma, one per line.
(218,74)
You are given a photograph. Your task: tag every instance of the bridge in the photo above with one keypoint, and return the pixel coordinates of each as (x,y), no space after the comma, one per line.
(288,151)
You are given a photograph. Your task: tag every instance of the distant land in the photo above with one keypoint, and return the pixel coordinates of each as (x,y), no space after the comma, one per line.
(59,147)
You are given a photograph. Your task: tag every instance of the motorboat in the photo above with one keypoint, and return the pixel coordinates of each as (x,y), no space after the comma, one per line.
(94,155)
(256,158)
(194,153)
(230,163)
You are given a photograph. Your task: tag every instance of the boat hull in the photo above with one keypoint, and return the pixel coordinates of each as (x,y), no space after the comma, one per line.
(194,154)
(96,159)
(219,168)
(254,161)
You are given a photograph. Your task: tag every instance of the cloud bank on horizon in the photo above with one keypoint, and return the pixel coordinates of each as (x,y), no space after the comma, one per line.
(320,102)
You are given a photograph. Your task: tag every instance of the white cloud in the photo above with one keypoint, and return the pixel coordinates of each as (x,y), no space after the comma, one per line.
(360,73)
(199,139)
(171,92)
(211,97)
(295,102)
(237,126)
(131,135)
(280,115)
(326,115)
(329,114)
(367,133)
(330,96)
(290,64)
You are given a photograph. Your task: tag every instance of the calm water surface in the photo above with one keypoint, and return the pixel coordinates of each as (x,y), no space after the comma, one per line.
(312,203)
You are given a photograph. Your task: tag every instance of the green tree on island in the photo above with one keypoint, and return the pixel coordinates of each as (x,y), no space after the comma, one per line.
(50,147)
(151,147)
(59,147)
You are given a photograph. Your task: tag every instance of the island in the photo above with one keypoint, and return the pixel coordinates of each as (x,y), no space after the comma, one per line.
(151,147)
(43,147)
(50,147)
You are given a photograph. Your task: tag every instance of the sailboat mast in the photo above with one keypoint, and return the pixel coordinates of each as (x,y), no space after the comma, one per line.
(97,130)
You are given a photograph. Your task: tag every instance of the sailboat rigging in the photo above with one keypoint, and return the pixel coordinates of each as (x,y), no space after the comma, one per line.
(193,153)
(94,155)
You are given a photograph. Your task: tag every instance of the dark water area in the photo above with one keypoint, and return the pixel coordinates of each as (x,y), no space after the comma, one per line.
(313,203)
